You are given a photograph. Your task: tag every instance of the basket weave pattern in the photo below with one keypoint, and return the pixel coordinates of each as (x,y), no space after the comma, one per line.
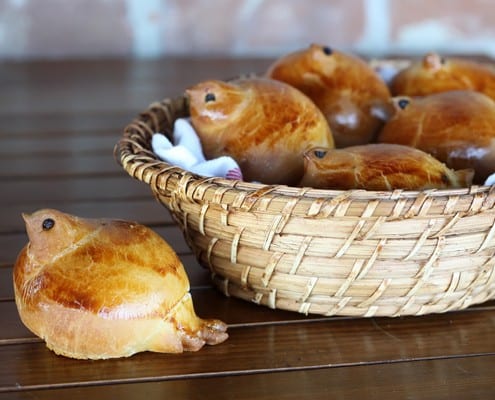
(328,252)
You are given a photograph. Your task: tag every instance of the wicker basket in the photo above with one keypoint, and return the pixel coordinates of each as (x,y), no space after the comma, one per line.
(329,252)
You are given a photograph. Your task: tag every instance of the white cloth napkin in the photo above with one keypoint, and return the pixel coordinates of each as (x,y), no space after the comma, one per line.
(490,180)
(186,152)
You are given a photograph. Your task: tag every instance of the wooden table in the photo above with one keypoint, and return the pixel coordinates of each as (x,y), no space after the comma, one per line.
(59,122)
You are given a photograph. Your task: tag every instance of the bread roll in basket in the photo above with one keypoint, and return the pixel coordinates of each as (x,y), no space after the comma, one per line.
(328,252)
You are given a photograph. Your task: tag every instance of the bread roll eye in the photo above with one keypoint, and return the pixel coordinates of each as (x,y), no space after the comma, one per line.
(403,103)
(327,50)
(320,153)
(210,97)
(48,224)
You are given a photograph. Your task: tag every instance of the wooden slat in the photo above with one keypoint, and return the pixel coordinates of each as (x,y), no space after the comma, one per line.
(58,123)
(6,288)
(458,379)
(13,330)
(56,155)
(262,348)
(11,245)
(56,189)
(71,166)
(25,148)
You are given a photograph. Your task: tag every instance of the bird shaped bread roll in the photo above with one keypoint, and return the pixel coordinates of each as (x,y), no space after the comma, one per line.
(348,91)
(97,288)
(456,127)
(263,124)
(379,167)
(435,74)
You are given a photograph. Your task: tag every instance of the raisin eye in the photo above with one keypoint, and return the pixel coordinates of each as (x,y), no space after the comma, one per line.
(403,103)
(209,97)
(327,50)
(48,224)
(319,153)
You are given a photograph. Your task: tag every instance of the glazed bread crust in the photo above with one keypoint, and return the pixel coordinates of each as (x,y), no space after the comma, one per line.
(263,124)
(379,167)
(435,74)
(456,127)
(348,91)
(118,290)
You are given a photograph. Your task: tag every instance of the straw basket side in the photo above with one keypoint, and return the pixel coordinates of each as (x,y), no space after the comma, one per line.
(328,252)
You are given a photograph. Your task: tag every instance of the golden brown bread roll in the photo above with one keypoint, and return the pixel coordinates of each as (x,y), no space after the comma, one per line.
(457,128)
(263,124)
(435,74)
(95,288)
(379,167)
(348,91)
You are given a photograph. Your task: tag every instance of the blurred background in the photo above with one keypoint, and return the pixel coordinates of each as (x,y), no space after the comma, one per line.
(41,29)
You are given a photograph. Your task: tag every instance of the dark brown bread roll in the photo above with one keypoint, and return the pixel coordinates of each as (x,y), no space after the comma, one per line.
(457,128)
(348,91)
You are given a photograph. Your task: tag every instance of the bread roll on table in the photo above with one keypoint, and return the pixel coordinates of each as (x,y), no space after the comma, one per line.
(96,288)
